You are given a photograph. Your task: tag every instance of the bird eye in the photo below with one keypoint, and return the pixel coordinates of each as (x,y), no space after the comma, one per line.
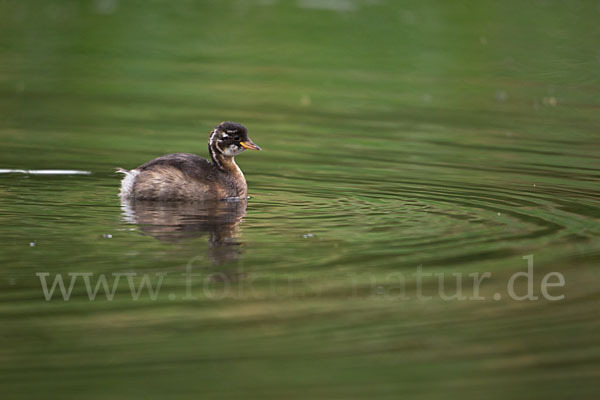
(236,138)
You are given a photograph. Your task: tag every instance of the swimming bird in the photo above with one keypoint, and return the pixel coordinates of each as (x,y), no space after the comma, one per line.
(188,177)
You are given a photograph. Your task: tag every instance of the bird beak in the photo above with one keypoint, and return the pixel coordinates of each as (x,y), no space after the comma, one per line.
(250,145)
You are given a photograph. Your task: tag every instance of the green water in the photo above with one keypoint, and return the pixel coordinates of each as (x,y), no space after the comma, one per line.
(446,137)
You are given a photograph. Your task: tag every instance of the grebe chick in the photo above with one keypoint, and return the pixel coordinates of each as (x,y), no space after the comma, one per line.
(188,177)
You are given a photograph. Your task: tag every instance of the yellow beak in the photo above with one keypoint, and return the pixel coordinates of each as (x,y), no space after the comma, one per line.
(250,145)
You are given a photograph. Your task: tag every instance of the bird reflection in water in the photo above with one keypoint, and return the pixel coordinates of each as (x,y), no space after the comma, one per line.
(174,222)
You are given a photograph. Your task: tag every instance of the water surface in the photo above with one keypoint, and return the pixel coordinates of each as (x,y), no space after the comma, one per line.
(453,138)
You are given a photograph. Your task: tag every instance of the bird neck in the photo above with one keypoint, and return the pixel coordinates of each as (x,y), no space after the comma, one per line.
(218,159)
(222,162)
(228,165)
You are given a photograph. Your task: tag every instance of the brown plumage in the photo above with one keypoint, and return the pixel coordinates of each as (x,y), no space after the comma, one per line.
(188,177)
